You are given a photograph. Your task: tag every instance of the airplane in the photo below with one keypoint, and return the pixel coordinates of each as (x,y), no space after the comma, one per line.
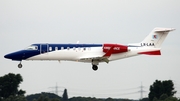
(92,53)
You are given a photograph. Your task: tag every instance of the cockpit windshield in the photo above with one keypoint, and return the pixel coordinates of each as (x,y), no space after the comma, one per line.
(32,47)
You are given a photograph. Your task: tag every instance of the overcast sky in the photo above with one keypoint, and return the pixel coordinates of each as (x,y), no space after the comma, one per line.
(24,22)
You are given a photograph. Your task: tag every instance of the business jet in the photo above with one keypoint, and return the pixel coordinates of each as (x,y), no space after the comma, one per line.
(92,53)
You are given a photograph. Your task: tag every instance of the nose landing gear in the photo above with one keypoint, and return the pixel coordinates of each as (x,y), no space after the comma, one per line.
(20,65)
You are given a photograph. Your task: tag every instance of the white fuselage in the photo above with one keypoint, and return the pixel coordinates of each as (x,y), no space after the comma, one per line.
(78,53)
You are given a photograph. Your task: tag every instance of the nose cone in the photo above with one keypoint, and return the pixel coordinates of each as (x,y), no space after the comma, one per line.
(8,56)
(14,56)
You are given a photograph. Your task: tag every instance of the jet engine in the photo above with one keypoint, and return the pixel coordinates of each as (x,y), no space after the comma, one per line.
(117,48)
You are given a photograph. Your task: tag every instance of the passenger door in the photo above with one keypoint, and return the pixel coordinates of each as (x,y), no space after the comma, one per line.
(44,48)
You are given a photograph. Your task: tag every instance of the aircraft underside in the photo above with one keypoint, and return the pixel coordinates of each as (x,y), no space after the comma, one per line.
(92,57)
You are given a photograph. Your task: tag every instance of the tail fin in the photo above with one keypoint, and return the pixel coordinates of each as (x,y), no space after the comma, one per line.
(156,37)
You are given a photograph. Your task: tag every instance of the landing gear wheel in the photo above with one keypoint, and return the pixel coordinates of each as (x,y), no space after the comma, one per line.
(20,65)
(95,67)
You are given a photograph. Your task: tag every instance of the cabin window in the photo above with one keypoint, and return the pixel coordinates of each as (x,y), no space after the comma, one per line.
(50,48)
(74,48)
(56,48)
(62,48)
(79,48)
(84,48)
(68,48)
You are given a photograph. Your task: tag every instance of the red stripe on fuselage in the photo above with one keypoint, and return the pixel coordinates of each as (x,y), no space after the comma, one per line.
(117,48)
(108,54)
(156,52)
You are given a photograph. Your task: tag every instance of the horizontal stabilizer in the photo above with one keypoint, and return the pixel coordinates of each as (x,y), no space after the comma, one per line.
(156,52)
(156,37)
(163,29)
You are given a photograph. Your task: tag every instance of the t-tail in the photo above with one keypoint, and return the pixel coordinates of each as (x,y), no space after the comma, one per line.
(156,37)
(151,45)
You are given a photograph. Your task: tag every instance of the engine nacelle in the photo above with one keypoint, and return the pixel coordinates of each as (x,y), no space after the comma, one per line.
(117,48)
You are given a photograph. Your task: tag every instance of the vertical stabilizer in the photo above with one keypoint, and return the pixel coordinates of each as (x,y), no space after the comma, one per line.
(156,37)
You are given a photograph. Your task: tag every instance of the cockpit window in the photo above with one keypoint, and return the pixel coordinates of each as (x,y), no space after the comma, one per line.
(32,47)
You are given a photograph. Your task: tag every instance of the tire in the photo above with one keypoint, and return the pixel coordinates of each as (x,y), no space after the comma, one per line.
(95,67)
(20,65)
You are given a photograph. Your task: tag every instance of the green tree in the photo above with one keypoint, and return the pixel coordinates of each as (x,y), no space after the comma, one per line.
(163,97)
(171,99)
(55,99)
(145,99)
(9,86)
(109,99)
(161,87)
(65,95)
(15,98)
(34,100)
(43,98)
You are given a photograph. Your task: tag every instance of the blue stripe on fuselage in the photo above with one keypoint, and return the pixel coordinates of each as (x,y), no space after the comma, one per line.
(44,48)
(65,46)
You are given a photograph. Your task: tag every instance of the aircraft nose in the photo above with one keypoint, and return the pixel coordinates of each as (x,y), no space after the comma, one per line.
(11,56)
(8,56)
(14,56)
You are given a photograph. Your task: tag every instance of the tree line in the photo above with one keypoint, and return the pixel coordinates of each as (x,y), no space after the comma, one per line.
(9,84)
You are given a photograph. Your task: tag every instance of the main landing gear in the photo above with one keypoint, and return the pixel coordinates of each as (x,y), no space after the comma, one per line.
(20,65)
(94,67)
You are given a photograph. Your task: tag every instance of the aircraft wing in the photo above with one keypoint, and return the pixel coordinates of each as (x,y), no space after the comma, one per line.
(103,58)
(99,59)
